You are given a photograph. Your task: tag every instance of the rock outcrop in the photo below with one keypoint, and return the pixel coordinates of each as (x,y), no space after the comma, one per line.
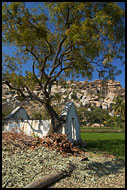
(95,93)
(82,93)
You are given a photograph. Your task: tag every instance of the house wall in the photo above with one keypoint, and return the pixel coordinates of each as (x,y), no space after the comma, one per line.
(62,129)
(41,127)
(29,127)
(72,114)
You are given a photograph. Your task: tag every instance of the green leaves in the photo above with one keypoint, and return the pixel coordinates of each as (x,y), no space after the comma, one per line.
(119,107)
(30,80)
(92,30)
(18,25)
(16,80)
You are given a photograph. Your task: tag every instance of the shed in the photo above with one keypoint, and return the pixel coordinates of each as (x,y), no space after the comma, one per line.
(19,119)
(71,126)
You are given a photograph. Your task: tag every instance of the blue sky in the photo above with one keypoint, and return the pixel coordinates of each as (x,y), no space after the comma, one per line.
(121,77)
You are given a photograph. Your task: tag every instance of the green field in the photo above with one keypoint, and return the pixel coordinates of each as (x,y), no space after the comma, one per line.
(101,130)
(113,143)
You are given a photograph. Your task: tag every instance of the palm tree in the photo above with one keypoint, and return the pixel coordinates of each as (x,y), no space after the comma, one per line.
(119,107)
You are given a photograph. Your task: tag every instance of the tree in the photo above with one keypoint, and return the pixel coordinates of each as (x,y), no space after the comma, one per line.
(119,107)
(97,115)
(60,39)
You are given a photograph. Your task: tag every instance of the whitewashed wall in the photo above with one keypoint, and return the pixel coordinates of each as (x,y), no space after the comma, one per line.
(73,129)
(29,127)
(19,120)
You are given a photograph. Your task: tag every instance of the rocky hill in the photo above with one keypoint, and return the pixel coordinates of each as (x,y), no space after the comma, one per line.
(82,93)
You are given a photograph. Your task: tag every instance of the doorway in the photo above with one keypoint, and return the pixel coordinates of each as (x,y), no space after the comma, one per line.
(73,129)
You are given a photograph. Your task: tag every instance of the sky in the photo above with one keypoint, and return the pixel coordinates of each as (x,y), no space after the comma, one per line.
(120,78)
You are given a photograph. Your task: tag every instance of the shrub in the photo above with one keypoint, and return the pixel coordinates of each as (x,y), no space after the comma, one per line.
(57,96)
(6,111)
(36,115)
(96,115)
(115,121)
(40,115)
(82,115)
(74,96)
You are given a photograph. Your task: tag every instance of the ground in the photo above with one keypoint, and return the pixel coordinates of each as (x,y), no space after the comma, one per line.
(22,164)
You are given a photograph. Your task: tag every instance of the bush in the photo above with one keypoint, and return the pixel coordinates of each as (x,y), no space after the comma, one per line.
(40,115)
(36,115)
(74,96)
(100,116)
(96,115)
(6,111)
(115,121)
(82,115)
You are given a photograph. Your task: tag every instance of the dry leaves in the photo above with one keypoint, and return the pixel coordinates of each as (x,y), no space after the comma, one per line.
(53,141)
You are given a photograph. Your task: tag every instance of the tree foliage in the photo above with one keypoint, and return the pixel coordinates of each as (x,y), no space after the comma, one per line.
(119,107)
(87,30)
(96,115)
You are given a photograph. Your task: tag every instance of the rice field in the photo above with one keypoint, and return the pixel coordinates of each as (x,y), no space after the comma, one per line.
(113,143)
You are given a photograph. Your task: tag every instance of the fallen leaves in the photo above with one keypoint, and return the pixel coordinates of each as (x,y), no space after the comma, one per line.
(109,156)
(53,141)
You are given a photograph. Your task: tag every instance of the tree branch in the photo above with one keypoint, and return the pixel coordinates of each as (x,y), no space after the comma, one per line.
(67,18)
(33,54)
(15,88)
(42,70)
(59,49)
(66,52)
(61,70)
(54,62)
(47,56)
(34,96)
(39,82)
(44,87)
(30,96)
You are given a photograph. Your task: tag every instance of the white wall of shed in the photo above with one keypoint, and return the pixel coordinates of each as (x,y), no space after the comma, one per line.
(29,127)
(72,114)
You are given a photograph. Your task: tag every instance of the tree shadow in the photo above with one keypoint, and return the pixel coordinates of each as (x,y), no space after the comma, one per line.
(106,168)
(113,146)
(41,126)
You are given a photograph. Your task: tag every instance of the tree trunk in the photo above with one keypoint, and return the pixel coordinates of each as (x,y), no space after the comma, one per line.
(55,120)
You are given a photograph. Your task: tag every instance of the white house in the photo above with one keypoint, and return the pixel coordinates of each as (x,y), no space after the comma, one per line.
(19,120)
(71,126)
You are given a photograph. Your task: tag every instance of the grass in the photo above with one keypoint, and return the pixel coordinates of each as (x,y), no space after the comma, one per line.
(113,143)
(101,130)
